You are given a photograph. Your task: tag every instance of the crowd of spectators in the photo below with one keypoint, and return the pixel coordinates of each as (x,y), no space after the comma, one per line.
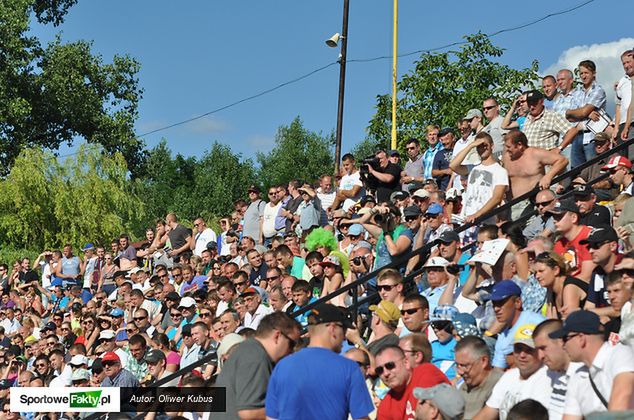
(520,313)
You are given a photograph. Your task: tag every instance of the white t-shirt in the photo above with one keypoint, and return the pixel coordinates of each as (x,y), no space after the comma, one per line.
(202,239)
(624,96)
(472,159)
(268,219)
(347,182)
(512,389)
(610,361)
(480,185)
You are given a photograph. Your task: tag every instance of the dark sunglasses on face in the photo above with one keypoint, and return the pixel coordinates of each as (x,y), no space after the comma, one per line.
(139,318)
(386,287)
(176,315)
(109,363)
(409,311)
(596,245)
(387,366)
(205,314)
(544,203)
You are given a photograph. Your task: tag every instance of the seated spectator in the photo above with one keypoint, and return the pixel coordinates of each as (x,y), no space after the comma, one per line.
(565,293)
(443,347)
(385,317)
(439,402)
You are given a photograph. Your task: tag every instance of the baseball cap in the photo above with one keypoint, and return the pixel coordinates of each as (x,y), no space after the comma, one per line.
(563,206)
(50,326)
(80,375)
(524,335)
(249,291)
(119,273)
(505,289)
(173,296)
(88,246)
(187,302)
(434,209)
(331,260)
(617,160)
(465,324)
(600,234)
(601,138)
(116,312)
(446,398)
(398,195)
(580,321)
(444,313)
(5,383)
(110,356)
(436,262)
(135,270)
(452,194)
(253,188)
(387,311)
(106,335)
(583,190)
(534,96)
(445,131)
(325,313)
(448,237)
(355,230)
(78,360)
(393,153)
(421,193)
(228,341)
(471,114)
(411,211)
(153,356)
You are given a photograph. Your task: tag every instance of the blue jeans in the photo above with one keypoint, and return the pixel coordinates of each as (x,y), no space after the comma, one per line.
(580,152)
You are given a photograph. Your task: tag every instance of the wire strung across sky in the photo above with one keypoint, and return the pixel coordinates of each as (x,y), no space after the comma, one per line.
(358,60)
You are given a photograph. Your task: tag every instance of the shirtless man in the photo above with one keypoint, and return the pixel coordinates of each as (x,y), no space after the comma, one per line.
(526,167)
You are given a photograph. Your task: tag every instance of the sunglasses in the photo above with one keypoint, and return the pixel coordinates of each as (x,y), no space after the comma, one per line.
(544,203)
(176,315)
(411,218)
(597,245)
(271,278)
(131,331)
(109,363)
(410,311)
(386,287)
(440,325)
(487,108)
(387,366)
(40,365)
(205,314)
(239,283)
(140,318)
(558,217)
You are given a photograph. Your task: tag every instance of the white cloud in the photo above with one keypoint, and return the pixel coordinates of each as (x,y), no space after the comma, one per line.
(207,125)
(606,56)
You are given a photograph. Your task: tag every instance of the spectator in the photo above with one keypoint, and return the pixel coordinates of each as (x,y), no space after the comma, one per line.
(350,188)
(429,155)
(442,402)
(606,380)
(337,379)
(253,215)
(565,293)
(269,215)
(566,216)
(415,315)
(592,213)
(413,171)
(620,170)
(549,87)
(624,89)
(180,239)
(255,309)
(417,349)
(605,189)
(443,347)
(528,409)
(543,224)
(491,110)
(385,317)
(441,172)
(544,127)
(116,376)
(384,177)
(204,235)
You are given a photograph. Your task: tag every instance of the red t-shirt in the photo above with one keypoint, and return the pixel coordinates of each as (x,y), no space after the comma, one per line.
(573,252)
(403,406)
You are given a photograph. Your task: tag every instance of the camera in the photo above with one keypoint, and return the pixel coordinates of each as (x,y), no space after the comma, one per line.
(369,181)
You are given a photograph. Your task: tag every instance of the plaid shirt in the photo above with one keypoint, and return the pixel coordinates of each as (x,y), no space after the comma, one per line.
(595,96)
(544,130)
(572,100)
(428,160)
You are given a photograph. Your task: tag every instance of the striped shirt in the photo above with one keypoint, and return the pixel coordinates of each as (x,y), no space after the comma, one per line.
(544,130)
(560,387)
(428,159)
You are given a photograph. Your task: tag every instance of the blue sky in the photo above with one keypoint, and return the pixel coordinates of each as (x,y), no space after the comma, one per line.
(200,55)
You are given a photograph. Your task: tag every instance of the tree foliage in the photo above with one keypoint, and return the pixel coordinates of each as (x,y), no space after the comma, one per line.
(298,153)
(53,94)
(444,86)
(87,198)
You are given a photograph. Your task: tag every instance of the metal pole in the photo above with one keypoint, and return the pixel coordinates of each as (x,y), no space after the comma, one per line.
(394,60)
(342,84)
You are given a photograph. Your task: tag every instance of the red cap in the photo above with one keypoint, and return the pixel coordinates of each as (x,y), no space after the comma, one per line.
(617,160)
(250,291)
(80,340)
(110,356)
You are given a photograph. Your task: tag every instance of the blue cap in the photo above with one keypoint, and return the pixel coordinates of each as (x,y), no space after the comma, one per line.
(581,321)
(88,246)
(435,209)
(444,313)
(504,289)
(116,312)
(394,153)
(355,230)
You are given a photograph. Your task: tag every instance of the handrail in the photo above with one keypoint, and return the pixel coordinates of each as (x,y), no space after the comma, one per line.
(401,259)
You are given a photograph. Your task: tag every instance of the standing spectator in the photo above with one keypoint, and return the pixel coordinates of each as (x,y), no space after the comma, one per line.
(335,381)
(592,101)
(473,363)
(326,197)
(68,269)
(441,172)
(519,108)
(430,153)
(385,177)
(253,217)
(203,236)
(606,381)
(413,171)
(269,216)
(491,110)
(180,239)
(395,371)
(624,101)
(549,87)
(544,127)
(127,253)
(246,373)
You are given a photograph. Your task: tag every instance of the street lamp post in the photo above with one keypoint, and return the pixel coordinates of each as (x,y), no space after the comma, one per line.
(342,84)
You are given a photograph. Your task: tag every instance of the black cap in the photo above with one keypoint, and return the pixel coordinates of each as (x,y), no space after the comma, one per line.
(564,206)
(412,211)
(173,296)
(416,185)
(534,96)
(50,326)
(153,356)
(601,234)
(448,237)
(580,321)
(212,245)
(445,131)
(394,153)
(583,190)
(325,313)
(5,384)
(254,188)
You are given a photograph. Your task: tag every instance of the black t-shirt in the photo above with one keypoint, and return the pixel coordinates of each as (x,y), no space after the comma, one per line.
(441,161)
(598,216)
(256,276)
(178,236)
(316,285)
(385,189)
(292,205)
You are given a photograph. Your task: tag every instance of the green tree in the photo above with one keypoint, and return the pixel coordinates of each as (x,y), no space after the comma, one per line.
(298,153)
(444,86)
(49,95)
(88,198)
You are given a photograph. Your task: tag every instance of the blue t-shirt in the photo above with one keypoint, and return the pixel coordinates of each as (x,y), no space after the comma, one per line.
(504,344)
(198,282)
(383,256)
(317,383)
(443,357)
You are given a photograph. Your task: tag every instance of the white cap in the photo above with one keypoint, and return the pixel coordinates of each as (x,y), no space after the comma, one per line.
(421,193)
(106,335)
(79,360)
(187,302)
(135,270)
(436,262)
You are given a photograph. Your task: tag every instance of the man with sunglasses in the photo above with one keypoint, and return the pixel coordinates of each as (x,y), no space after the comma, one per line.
(543,224)
(567,218)
(384,321)
(415,315)
(116,375)
(620,169)
(592,214)
(396,371)
(246,373)
(336,380)
(602,243)
(606,381)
